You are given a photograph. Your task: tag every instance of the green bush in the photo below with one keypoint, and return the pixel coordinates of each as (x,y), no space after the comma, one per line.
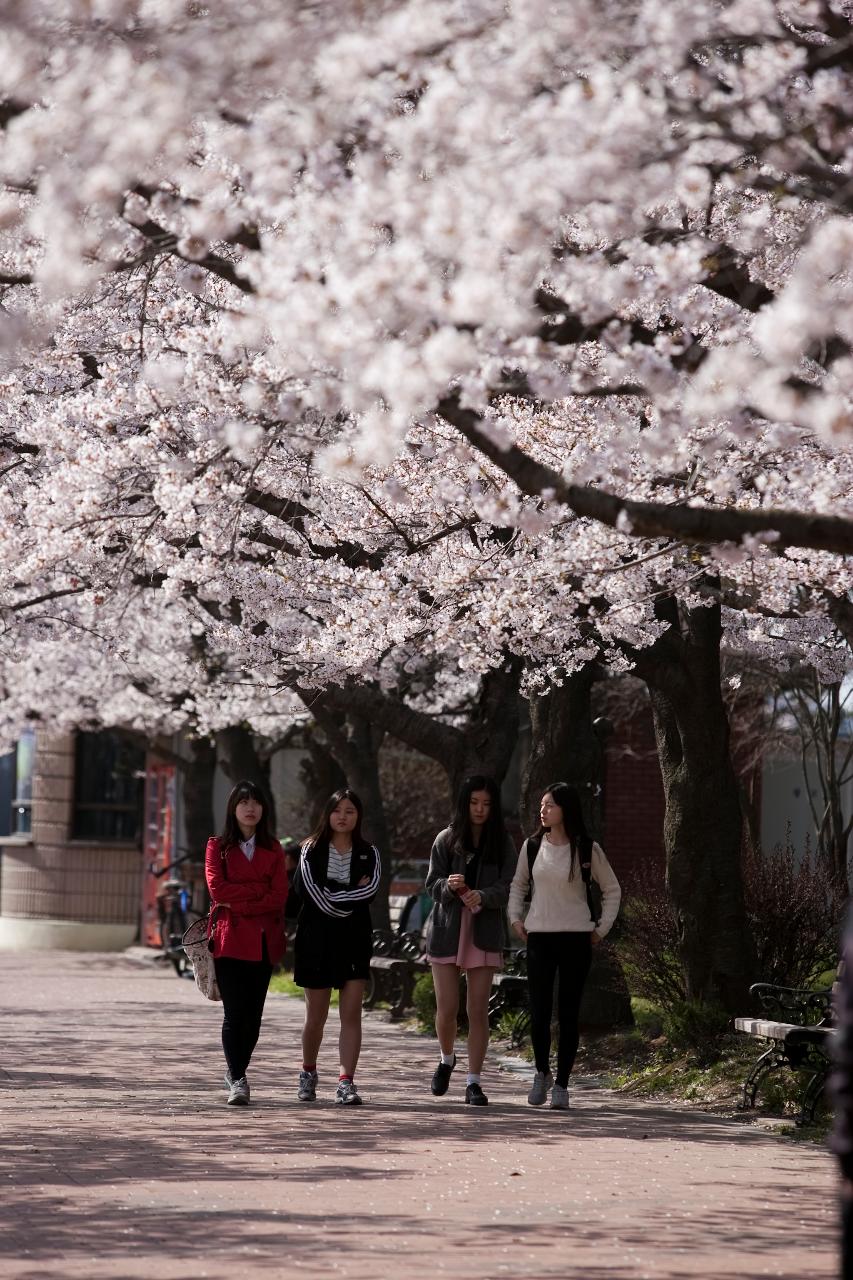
(423,998)
(689,1024)
(648,1019)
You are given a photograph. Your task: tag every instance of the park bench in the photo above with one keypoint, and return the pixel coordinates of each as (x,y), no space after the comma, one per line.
(799,1037)
(508,1001)
(396,964)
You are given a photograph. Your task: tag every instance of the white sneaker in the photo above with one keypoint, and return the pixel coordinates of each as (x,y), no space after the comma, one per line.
(239,1093)
(347,1094)
(228,1080)
(307,1091)
(538,1094)
(559,1098)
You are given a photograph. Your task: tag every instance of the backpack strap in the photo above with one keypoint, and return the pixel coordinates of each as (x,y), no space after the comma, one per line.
(533,845)
(592,901)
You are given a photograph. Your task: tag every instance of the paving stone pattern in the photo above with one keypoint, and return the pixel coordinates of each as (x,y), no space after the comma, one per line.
(120,1159)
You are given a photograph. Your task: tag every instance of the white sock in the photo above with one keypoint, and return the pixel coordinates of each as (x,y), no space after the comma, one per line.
(447,1058)
(473,1077)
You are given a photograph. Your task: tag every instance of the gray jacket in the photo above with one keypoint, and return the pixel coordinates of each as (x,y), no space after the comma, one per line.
(489,925)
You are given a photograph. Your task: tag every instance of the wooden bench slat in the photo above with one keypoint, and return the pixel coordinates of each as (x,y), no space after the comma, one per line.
(789,1032)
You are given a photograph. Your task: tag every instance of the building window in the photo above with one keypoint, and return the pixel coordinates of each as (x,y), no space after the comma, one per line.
(7,791)
(108,785)
(22,802)
(16,787)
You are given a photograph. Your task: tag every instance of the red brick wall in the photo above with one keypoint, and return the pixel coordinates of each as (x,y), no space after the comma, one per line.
(633,796)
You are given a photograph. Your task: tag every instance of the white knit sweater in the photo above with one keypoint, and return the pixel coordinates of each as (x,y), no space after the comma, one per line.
(559,903)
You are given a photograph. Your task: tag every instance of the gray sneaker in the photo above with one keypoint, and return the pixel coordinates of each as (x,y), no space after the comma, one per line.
(228,1080)
(538,1094)
(307,1091)
(559,1098)
(347,1094)
(239,1093)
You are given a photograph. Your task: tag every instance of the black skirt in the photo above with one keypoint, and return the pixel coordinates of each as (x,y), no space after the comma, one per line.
(329,952)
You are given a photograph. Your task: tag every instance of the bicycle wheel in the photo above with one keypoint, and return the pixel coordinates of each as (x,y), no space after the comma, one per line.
(175,927)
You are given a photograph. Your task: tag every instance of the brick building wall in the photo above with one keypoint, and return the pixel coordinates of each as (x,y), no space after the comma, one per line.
(55,891)
(633,797)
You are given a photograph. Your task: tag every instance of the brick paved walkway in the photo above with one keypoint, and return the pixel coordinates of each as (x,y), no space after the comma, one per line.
(120,1159)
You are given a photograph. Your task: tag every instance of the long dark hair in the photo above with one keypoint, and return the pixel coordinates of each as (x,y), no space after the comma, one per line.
(568,800)
(322,833)
(231,833)
(493,838)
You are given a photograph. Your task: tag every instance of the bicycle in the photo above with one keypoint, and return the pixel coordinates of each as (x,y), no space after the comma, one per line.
(175,914)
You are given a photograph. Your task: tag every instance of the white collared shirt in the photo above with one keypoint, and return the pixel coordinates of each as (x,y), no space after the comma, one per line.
(248,847)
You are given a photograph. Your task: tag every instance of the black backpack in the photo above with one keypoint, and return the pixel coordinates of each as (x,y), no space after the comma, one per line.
(593,889)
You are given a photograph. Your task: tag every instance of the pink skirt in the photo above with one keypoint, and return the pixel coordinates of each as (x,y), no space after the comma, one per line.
(469,956)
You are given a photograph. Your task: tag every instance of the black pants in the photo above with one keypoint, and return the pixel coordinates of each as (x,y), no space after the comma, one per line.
(550,954)
(243,985)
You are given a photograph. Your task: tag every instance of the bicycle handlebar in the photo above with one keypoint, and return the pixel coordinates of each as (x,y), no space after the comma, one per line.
(187,857)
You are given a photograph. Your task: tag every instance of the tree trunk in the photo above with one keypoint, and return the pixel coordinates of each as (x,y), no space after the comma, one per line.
(489,737)
(199,820)
(833,830)
(702,826)
(355,743)
(564,747)
(484,743)
(322,773)
(240,762)
(197,795)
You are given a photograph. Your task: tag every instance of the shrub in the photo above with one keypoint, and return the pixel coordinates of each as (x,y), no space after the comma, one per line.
(648,944)
(687,1024)
(794,909)
(423,998)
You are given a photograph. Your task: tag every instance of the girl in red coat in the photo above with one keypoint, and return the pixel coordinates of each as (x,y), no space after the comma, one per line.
(247,880)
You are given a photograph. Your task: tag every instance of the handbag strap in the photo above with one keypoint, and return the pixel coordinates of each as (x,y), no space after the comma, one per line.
(211,917)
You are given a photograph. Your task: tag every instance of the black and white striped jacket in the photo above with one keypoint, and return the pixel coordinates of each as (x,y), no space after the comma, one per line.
(312,882)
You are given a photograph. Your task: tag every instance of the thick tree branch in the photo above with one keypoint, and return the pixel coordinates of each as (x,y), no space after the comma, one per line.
(698,526)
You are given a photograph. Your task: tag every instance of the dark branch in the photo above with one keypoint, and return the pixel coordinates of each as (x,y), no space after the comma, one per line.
(697,526)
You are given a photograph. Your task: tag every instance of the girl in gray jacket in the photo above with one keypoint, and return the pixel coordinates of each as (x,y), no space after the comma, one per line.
(470,870)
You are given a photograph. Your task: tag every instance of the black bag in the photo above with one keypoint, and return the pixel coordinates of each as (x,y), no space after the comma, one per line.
(593,888)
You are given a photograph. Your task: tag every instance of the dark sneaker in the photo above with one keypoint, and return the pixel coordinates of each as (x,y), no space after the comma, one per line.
(307,1086)
(538,1094)
(239,1093)
(347,1094)
(474,1094)
(441,1077)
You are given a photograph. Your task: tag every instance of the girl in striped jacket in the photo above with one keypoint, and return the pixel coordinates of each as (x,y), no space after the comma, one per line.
(337,879)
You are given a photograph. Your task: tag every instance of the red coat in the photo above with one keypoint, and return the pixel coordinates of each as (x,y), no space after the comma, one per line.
(255,893)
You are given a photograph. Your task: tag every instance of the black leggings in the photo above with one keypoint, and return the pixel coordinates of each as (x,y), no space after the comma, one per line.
(549,954)
(243,985)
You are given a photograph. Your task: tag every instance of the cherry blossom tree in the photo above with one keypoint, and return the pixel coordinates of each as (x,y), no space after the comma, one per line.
(344,343)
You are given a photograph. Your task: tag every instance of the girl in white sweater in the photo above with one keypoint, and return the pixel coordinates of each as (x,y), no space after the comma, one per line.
(559,930)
